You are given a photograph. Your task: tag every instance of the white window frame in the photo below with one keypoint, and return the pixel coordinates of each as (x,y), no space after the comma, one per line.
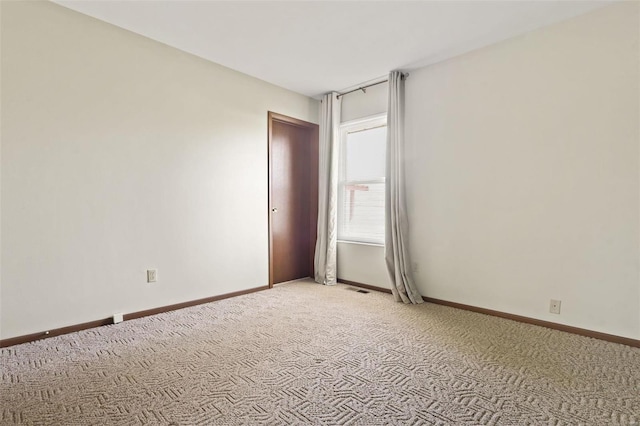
(353,126)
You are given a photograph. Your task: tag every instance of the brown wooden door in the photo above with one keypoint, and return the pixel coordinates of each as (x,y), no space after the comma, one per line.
(293,201)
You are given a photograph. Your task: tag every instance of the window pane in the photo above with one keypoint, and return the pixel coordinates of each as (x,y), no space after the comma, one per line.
(361,194)
(362,212)
(365,151)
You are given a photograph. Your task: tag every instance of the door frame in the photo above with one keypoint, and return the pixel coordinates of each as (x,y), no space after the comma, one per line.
(312,131)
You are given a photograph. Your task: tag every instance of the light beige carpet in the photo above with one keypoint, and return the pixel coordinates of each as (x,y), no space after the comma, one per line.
(309,354)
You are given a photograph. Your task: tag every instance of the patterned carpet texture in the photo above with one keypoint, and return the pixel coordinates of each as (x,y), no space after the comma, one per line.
(306,354)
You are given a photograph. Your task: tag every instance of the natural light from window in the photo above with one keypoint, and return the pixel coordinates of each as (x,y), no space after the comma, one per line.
(361,189)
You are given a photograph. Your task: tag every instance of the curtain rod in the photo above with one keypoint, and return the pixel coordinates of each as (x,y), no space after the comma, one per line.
(364,88)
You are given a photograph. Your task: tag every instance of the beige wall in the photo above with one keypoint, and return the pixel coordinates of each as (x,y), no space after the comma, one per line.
(524,173)
(362,263)
(121,154)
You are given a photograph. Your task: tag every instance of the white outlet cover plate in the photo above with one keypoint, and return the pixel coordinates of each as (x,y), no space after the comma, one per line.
(152,275)
(554,306)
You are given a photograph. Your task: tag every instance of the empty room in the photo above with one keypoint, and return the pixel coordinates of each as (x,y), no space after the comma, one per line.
(319,212)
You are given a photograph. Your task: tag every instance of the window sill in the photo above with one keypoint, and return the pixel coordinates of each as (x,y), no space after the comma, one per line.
(360,243)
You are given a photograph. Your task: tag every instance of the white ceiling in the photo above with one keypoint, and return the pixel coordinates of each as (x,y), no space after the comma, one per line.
(315,47)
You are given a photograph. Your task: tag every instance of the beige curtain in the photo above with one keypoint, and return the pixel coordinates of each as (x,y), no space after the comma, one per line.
(325,261)
(396,225)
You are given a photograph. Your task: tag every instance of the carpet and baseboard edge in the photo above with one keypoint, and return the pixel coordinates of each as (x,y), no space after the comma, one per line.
(548,324)
(106,321)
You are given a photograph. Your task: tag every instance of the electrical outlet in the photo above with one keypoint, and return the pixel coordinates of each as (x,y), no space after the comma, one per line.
(118,318)
(152,275)
(554,306)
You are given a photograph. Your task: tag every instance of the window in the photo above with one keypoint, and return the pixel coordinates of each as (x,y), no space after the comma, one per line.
(361,180)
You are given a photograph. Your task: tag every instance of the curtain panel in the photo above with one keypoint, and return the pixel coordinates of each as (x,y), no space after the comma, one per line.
(325,260)
(396,222)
